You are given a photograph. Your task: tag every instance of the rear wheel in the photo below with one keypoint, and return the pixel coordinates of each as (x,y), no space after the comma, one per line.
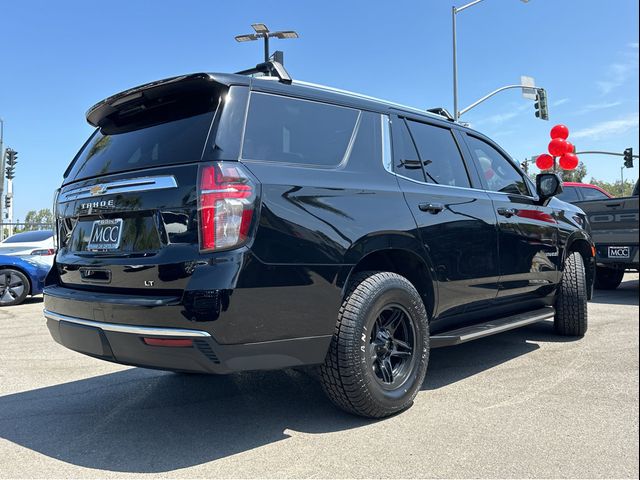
(379,352)
(571,300)
(608,278)
(14,287)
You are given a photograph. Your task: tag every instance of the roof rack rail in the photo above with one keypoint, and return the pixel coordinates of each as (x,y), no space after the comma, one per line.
(443,112)
(270,67)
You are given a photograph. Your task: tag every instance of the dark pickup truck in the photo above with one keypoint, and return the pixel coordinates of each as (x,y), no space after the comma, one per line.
(614,229)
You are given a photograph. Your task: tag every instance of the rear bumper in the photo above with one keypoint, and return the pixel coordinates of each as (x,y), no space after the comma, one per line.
(123,343)
(631,262)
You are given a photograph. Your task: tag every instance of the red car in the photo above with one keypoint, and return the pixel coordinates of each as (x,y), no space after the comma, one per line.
(581,192)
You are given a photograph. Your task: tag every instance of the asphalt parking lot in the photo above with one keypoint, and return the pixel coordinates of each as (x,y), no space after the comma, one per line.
(522,404)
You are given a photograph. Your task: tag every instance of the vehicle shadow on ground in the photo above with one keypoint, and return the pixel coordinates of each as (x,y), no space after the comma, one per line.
(34,299)
(452,364)
(625,294)
(143,421)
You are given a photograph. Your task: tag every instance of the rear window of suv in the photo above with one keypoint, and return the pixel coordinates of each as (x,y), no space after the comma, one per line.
(289,130)
(170,134)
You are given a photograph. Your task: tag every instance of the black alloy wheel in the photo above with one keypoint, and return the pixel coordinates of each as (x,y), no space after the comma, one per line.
(391,346)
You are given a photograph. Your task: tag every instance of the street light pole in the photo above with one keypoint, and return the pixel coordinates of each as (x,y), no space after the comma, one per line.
(262,31)
(2,178)
(455,65)
(454,12)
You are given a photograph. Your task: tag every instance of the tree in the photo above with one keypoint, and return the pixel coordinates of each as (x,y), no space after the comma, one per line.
(617,189)
(37,220)
(576,175)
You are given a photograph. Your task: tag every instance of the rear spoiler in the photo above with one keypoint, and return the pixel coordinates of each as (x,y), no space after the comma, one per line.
(96,114)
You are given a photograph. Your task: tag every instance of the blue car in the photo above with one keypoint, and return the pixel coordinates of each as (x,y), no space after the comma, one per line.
(21,276)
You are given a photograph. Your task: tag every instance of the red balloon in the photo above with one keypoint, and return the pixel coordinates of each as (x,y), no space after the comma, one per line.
(544,161)
(570,147)
(560,131)
(569,161)
(558,147)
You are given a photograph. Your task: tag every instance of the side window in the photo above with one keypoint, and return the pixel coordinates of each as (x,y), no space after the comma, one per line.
(440,155)
(406,161)
(593,194)
(569,194)
(499,174)
(289,130)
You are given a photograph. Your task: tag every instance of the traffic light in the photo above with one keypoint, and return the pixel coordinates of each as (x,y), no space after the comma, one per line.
(12,159)
(541,106)
(628,157)
(7,202)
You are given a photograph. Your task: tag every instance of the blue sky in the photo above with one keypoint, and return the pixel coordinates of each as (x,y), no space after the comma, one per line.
(59,58)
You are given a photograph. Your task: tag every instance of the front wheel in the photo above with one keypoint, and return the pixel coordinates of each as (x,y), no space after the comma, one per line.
(608,278)
(380,348)
(14,287)
(571,300)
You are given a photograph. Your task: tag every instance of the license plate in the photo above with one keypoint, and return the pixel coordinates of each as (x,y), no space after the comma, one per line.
(105,234)
(619,252)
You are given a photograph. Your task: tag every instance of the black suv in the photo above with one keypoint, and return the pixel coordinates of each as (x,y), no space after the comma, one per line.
(223,222)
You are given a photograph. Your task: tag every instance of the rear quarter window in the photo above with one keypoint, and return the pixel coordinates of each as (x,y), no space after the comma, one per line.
(290,130)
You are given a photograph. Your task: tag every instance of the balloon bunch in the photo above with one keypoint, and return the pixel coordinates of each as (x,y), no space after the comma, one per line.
(559,146)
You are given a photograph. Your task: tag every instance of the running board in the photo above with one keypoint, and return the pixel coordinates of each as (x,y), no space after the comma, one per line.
(480,330)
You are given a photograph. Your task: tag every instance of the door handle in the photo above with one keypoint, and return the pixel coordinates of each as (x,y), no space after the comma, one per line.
(507,212)
(431,207)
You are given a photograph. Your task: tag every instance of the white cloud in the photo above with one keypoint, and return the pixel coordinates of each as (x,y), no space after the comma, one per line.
(608,128)
(560,101)
(500,118)
(618,73)
(597,106)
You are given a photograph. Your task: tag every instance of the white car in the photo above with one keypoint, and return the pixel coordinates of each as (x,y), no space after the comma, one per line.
(37,242)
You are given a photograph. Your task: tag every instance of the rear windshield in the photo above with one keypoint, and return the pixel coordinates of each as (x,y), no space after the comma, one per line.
(36,236)
(173,133)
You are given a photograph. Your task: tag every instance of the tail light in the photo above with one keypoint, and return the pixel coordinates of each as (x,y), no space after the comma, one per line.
(226,204)
(43,251)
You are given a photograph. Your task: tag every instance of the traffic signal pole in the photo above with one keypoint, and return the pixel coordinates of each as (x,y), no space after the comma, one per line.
(489,95)
(9,172)
(10,207)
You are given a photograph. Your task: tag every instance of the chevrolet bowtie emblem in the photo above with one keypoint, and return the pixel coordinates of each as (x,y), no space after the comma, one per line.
(98,190)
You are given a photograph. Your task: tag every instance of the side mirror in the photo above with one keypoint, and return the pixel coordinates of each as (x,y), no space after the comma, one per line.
(548,185)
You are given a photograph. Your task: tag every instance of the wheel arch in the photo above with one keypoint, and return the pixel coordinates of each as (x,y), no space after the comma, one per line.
(580,242)
(405,262)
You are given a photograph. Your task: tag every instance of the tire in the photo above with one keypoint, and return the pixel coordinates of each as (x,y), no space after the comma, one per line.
(571,299)
(379,352)
(14,287)
(608,278)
